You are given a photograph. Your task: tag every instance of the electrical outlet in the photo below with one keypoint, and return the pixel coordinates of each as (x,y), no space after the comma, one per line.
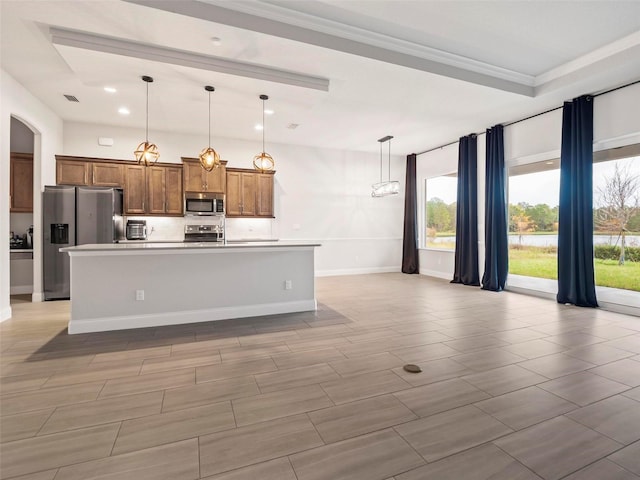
(139,295)
(288,284)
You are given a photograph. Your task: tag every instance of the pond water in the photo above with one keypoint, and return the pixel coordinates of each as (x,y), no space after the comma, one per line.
(552,240)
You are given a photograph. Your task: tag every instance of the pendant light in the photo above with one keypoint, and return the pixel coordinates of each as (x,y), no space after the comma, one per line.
(263,161)
(390,187)
(209,158)
(147,153)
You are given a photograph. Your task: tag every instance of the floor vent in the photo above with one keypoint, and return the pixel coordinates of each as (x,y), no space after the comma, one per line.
(71,98)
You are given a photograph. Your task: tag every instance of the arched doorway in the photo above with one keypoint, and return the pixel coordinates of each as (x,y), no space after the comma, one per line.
(23,193)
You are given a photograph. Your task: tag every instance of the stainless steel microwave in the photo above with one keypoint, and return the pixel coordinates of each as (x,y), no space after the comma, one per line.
(203,204)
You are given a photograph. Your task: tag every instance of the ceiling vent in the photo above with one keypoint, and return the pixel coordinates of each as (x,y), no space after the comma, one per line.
(71,98)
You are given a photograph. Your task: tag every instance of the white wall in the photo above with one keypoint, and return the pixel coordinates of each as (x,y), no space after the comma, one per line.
(321,195)
(16,101)
(616,123)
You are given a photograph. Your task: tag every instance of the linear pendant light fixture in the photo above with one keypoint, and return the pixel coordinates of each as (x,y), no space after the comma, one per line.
(390,187)
(209,158)
(263,161)
(147,153)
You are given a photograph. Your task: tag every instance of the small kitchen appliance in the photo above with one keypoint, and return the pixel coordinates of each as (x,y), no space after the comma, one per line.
(136,229)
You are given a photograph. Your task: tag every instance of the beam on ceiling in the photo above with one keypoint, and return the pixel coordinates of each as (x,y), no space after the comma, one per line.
(100,43)
(388,50)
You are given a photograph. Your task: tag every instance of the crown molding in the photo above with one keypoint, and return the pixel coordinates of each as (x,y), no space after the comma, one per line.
(129,48)
(599,55)
(278,13)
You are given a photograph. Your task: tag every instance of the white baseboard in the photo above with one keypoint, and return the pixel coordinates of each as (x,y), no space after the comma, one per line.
(20,289)
(5,314)
(105,324)
(436,273)
(356,271)
(37,297)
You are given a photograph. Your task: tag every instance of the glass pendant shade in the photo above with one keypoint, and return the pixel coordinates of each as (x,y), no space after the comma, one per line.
(209,158)
(147,153)
(263,162)
(389,187)
(383,189)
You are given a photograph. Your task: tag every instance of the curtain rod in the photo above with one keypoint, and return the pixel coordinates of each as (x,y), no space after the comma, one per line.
(530,117)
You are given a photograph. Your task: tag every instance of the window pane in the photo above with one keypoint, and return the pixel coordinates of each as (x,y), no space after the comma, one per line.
(534,191)
(441,211)
(616,223)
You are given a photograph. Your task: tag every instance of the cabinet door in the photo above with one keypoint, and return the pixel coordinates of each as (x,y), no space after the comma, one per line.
(69,172)
(234,194)
(173,191)
(107,174)
(134,190)
(249,187)
(156,189)
(215,179)
(193,177)
(264,195)
(21,183)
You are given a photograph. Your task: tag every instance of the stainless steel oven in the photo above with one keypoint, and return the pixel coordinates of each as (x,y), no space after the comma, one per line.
(202,204)
(204,233)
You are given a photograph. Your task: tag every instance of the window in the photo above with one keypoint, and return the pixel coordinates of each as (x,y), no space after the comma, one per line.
(440,211)
(534,191)
(616,219)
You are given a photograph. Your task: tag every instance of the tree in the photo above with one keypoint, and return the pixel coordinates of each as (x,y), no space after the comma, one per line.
(543,216)
(438,216)
(523,224)
(619,202)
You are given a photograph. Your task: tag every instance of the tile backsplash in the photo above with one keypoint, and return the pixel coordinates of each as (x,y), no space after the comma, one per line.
(168,229)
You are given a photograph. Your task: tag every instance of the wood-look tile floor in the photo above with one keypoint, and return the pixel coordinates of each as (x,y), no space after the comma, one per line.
(513,387)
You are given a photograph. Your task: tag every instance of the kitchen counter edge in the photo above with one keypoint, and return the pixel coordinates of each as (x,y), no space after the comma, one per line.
(142,247)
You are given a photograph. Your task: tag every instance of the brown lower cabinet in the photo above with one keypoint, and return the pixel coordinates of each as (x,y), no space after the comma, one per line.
(249,193)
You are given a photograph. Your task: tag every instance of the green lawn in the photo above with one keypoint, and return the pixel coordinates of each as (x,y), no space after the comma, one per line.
(537,263)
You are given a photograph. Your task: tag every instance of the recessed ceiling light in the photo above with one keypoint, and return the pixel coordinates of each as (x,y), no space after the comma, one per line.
(123,111)
(269,112)
(110,89)
(549,162)
(258,127)
(216,41)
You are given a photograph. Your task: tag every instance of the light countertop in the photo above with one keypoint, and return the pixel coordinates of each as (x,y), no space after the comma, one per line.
(180,246)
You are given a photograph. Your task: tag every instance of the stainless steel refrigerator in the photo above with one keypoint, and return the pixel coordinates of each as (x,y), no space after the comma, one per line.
(75,216)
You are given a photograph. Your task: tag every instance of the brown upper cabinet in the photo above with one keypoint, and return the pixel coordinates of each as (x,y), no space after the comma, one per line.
(84,171)
(21,182)
(154,190)
(164,190)
(249,193)
(197,179)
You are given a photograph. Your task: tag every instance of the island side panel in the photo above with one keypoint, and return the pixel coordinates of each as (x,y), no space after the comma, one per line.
(187,286)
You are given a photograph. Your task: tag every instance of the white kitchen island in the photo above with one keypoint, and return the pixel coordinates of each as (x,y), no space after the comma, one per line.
(128,285)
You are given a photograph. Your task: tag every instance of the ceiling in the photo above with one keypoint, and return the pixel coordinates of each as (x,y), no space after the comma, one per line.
(347,72)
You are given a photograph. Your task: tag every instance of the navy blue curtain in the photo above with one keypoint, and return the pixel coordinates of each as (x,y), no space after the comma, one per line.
(496,260)
(576,281)
(410,239)
(466,258)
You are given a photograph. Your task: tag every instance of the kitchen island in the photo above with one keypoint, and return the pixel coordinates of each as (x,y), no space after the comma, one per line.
(128,285)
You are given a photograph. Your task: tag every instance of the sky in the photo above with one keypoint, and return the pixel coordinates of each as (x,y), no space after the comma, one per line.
(534,188)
